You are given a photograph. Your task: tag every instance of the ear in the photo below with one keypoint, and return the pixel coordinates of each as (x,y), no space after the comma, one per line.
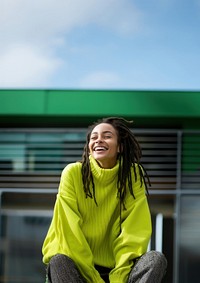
(118,148)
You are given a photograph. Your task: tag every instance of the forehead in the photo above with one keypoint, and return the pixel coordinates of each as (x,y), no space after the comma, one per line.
(103,127)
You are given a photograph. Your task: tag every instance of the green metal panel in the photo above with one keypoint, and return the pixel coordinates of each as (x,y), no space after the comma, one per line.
(129,103)
(22,102)
(143,104)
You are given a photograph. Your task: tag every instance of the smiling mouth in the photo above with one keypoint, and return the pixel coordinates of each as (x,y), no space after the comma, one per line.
(100,148)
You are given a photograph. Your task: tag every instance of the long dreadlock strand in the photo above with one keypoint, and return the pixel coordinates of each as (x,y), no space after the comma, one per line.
(86,173)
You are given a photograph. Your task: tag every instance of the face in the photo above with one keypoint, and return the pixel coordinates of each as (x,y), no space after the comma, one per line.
(103,145)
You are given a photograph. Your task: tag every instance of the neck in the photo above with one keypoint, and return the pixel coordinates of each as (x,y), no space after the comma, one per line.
(106,165)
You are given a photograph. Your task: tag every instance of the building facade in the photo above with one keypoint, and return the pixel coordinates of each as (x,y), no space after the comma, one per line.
(41,131)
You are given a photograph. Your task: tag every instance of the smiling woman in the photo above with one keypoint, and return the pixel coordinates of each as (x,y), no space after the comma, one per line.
(92,237)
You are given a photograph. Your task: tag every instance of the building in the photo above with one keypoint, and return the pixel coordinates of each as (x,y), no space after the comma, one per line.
(43,130)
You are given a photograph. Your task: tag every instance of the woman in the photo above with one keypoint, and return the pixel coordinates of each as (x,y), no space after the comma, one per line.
(101,225)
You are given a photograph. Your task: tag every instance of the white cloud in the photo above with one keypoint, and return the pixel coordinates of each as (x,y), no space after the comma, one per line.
(33,20)
(100,79)
(24,66)
(30,30)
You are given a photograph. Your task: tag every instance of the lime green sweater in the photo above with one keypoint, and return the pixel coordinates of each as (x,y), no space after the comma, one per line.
(89,233)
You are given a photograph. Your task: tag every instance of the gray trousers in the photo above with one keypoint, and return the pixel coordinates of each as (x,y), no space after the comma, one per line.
(149,268)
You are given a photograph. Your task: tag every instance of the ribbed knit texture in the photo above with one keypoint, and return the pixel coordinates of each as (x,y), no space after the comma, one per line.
(90,233)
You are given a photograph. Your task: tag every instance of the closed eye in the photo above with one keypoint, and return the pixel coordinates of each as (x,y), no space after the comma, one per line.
(93,137)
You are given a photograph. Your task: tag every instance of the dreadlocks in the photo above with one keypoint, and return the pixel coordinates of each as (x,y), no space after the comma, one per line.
(129,155)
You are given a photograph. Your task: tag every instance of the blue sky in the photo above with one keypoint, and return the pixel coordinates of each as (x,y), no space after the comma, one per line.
(100,44)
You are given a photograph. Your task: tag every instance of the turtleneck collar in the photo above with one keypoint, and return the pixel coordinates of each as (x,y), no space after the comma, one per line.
(102,174)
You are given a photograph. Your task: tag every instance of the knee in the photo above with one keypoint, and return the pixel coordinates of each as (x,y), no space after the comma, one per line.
(157,259)
(59,259)
(56,258)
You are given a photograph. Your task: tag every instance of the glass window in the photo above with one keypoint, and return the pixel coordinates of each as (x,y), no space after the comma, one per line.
(191,161)
(25,219)
(189,239)
(162,209)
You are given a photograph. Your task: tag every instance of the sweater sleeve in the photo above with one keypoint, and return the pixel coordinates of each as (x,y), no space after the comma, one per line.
(65,235)
(134,237)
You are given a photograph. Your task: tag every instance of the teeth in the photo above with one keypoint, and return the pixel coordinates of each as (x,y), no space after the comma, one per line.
(99,148)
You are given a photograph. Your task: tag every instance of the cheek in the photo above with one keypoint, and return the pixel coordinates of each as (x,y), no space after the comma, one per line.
(115,149)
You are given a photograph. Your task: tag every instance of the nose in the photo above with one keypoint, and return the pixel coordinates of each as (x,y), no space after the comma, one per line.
(98,140)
